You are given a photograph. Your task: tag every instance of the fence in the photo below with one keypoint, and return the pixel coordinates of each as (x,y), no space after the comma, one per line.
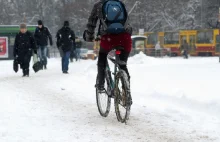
(92,54)
(152,52)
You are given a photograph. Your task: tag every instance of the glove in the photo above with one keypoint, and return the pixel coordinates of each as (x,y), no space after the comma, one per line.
(98,38)
(58,44)
(87,36)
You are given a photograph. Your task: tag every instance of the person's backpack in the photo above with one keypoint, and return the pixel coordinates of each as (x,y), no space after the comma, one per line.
(114,16)
(65,37)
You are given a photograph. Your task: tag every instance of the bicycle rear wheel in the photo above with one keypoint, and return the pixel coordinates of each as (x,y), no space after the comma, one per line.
(103,99)
(122,97)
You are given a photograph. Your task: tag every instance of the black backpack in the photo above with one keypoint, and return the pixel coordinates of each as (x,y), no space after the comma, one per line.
(65,38)
(114,16)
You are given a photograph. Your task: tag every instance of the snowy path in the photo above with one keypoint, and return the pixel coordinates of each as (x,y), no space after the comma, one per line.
(173,102)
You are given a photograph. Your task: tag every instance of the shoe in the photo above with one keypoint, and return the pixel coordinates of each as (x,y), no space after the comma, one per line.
(130,102)
(25,73)
(100,87)
(65,72)
(101,77)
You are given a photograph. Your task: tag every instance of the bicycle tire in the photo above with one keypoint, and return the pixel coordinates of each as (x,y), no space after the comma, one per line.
(122,76)
(104,112)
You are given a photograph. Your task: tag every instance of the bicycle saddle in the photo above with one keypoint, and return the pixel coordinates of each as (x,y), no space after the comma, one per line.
(119,48)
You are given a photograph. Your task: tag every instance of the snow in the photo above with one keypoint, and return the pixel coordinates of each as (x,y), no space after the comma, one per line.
(138,36)
(174,100)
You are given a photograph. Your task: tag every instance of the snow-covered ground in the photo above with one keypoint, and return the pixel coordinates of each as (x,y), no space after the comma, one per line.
(175,100)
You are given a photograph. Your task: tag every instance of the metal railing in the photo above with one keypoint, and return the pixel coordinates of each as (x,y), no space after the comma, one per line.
(152,52)
(54,52)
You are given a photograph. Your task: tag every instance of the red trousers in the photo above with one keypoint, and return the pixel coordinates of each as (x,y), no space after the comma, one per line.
(109,41)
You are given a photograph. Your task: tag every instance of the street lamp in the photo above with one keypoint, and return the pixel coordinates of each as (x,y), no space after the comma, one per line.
(201,13)
(219,14)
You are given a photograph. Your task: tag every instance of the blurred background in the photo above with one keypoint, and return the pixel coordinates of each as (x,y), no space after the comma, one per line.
(151,15)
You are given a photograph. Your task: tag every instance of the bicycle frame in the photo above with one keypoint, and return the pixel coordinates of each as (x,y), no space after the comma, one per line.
(117,88)
(116,68)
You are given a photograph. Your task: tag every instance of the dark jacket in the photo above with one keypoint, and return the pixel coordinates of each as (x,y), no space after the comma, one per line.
(78,44)
(42,35)
(185,47)
(65,39)
(96,15)
(24,45)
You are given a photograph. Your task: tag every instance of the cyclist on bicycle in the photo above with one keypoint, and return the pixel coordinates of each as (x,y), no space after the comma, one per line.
(114,31)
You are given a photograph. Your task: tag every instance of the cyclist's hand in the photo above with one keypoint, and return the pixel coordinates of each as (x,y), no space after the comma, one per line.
(98,38)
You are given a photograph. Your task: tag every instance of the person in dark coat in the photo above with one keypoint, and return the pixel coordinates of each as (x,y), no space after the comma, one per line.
(42,34)
(23,48)
(65,41)
(185,49)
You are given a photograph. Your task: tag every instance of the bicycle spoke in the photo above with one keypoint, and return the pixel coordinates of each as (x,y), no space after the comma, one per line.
(103,101)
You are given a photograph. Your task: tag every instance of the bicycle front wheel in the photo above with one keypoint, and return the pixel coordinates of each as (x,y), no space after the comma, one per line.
(122,97)
(103,98)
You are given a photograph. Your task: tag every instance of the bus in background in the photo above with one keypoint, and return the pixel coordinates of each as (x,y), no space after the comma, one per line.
(201,42)
(207,43)
(189,36)
(217,39)
(171,41)
(7,38)
(152,39)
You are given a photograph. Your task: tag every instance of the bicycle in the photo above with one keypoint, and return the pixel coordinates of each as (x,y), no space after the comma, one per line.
(117,88)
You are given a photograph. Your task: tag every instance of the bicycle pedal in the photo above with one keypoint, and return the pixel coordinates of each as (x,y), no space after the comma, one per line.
(130,103)
(101,91)
(112,96)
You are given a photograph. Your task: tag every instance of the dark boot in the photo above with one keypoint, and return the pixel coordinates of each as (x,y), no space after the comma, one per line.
(27,72)
(45,67)
(100,79)
(71,60)
(24,73)
(65,72)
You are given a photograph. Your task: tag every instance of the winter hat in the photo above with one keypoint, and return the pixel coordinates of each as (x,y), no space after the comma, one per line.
(66,24)
(23,26)
(40,22)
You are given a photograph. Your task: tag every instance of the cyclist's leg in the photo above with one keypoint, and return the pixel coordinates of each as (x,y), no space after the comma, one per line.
(127,44)
(102,61)
(124,57)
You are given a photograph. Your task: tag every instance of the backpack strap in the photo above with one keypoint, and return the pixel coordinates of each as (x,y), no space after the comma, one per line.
(118,14)
(103,23)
